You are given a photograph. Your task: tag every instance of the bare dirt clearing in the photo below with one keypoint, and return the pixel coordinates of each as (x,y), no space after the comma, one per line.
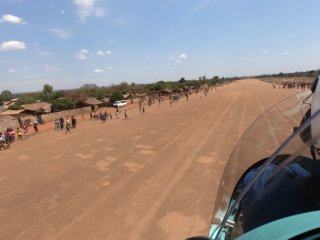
(154,176)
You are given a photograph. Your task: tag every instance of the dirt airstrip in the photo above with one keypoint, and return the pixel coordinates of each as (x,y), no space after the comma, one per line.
(154,176)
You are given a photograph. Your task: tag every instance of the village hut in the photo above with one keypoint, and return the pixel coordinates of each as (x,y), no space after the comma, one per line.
(37,109)
(8,121)
(22,115)
(93,102)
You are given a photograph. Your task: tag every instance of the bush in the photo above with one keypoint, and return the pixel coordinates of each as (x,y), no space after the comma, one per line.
(61,104)
(14,107)
(115,96)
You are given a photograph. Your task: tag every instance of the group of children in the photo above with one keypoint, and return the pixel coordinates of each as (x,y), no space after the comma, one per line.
(9,136)
(104,116)
(60,124)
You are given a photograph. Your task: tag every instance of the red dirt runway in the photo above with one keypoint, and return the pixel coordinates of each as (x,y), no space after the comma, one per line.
(154,176)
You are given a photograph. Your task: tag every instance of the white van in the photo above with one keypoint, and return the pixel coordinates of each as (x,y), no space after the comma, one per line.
(120,103)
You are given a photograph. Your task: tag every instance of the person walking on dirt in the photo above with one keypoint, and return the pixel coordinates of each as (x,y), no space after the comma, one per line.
(35,126)
(106,115)
(68,126)
(126,115)
(56,124)
(2,138)
(19,133)
(25,131)
(73,122)
(61,122)
(117,113)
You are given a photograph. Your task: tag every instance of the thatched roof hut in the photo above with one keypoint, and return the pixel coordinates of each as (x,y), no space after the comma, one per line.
(18,113)
(93,102)
(38,107)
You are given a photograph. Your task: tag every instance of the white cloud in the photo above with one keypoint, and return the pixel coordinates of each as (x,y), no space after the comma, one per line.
(51,68)
(183,56)
(180,58)
(84,8)
(264,51)
(16,70)
(285,53)
(12,45)
(82,55)
(102,53)
(62,12)
(60,33)
(12,19)
(87,8)
(32,77)
(98,70)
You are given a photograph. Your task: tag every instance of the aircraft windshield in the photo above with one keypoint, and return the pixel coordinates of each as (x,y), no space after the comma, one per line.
(259,142)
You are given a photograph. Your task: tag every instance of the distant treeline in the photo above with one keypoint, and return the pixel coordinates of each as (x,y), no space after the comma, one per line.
(68,99)
(311,73)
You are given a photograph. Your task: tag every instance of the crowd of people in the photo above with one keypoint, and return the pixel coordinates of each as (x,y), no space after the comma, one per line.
(66,124)
(9,136)
(61,124)
(104,116)
(290,85)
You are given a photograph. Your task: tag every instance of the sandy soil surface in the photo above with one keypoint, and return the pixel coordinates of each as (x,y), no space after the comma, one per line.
(154,176)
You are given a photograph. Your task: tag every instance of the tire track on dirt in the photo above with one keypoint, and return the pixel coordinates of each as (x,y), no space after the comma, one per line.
(150,162)
(136,174)
(84,179)
(187,162)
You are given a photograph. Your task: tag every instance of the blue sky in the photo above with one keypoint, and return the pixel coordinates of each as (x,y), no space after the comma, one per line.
(67,43)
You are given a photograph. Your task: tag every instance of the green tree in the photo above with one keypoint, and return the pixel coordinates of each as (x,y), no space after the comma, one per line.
(6,95)
(47,89)
(115,96)
(61,104)
(47,93)
(124,86)
(14,107)
(58,94)
(182,80)
(76,96)
(26,99)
